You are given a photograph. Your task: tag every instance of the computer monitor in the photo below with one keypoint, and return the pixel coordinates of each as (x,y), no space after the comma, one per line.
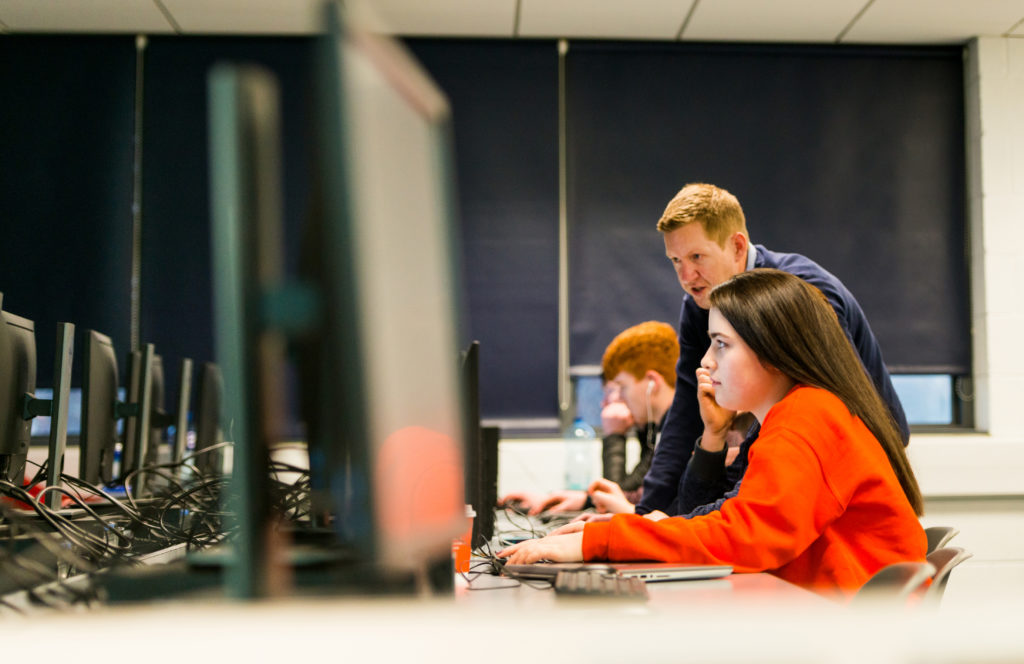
(162,422)
(209,393)
(98,438)
(383,399)
(58,410)
(481,452)
(181,413)
(474,456)
(159,418)
(245,236)
(137,411)
(18,364)
(17,378)
(389,405)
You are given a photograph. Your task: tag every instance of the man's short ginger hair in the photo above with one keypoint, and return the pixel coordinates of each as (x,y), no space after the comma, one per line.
(714,208)
(638,349)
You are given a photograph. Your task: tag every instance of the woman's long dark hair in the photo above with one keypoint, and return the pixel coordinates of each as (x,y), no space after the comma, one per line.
(790,325)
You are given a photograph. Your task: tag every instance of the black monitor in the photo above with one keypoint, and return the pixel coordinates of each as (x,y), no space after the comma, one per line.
(137,411)
(98,438)
(17,378)
(209,393)
(383,400)
(481,452)
(180,416)
(58,410)
(159,419)
(163,422)
(389,414)
(245,235)
(18,366)
(473,456)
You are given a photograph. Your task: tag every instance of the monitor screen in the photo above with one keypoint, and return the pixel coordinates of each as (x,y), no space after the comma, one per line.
(41,425)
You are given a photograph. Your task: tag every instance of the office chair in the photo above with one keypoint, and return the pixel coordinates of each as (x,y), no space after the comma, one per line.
(895,582)
(944,560)
(939,536)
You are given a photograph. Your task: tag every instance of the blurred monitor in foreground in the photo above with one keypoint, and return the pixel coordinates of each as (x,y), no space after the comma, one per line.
(380,384)
(388,417)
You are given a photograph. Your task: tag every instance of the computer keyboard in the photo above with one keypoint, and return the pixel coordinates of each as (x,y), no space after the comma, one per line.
(594,583)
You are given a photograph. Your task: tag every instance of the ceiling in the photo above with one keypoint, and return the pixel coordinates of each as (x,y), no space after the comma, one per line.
(814,21)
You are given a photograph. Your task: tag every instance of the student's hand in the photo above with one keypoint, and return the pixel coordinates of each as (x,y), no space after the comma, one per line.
(607,496)
(567,500)
(590,517)
(574,526)
(616,418)
(716,419)
(556,548)
(556,501)
(522,500)
(656,515)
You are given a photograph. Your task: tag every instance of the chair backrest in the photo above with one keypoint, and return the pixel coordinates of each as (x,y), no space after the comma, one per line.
(895,582)
(944,560)
(939,536)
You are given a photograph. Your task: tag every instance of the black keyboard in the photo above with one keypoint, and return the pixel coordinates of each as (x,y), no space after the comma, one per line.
(594,583)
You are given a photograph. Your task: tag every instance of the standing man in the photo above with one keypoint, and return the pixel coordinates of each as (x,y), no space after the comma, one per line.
(706,240)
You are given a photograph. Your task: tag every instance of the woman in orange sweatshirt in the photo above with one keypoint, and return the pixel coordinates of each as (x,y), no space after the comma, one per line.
(829,497)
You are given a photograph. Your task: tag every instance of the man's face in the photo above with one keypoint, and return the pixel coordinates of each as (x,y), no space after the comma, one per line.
(699,262)
(634,394)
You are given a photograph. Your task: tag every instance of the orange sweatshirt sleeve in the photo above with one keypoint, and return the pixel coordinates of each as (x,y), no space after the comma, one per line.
(783,506)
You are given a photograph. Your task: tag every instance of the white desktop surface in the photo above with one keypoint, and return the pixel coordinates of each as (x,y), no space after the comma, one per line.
(492,593)
(749,618)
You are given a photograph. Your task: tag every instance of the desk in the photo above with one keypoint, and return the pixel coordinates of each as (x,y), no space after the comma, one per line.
(486,592)
(744,624)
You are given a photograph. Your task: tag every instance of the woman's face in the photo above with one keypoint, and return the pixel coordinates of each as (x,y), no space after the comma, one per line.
(740,380)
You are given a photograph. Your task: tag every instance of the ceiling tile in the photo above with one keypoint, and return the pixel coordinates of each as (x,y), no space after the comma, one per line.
(779,20)
(935,22)
(94,16)
(448,18)
(245,16)
(612,19)
(884,21)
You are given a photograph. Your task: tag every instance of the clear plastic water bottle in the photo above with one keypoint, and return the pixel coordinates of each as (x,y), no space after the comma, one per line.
(579,440)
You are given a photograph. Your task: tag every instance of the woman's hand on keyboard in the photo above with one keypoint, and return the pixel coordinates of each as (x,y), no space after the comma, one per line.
(556,548)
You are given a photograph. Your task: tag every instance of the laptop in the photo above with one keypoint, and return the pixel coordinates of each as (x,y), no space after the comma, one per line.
(648,571)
